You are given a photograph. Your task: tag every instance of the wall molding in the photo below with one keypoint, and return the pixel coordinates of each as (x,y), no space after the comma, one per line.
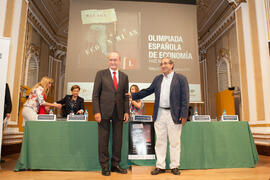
(260,132)
(224,26)
(33,52)
(42,2)
(201,28)
(236,3)
(12,138)
(219,63)
(34,20)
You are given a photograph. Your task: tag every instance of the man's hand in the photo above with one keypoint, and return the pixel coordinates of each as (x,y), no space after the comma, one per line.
(98,117)
(59,106)
(184,120)
(47,108)
(80,112)
(126,117)
(7,115)
(129,95)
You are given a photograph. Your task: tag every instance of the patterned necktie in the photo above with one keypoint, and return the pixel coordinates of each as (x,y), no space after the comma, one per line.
(115,80)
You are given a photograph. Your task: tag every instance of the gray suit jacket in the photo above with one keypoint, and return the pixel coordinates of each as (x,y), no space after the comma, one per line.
(105,96)
(179,96)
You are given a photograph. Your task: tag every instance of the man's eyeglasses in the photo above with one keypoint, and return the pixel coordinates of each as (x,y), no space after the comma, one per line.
(113,59)
(165,63)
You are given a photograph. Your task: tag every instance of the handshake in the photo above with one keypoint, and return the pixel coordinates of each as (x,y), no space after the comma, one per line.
(129,95)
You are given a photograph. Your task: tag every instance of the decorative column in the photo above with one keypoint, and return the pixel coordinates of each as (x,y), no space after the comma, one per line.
(249,110)
(13,16)
(263,48)
(252,35)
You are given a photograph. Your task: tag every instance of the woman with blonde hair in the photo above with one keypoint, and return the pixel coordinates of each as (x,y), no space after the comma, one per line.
(36,100)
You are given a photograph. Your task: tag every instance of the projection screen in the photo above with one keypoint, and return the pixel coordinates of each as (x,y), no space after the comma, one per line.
(142,32)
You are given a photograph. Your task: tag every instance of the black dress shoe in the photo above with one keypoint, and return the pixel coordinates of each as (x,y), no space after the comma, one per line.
(105,172)
(175,171)
(118,169)
(157,171)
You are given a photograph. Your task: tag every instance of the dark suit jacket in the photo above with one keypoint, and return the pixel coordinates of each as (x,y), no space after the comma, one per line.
(179,96)
(66,102)
(105,96)
(8,103)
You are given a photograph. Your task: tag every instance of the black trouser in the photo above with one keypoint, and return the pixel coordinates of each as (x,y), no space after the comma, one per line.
(103,140)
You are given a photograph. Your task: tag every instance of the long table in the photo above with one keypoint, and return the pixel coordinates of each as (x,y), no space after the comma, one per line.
(74,146)
(63,146)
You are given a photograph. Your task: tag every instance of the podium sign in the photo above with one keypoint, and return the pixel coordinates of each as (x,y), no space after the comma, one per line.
(201,118)
(141,140)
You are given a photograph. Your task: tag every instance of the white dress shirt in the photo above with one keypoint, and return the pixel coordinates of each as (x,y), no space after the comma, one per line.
(117,74)
(164,100)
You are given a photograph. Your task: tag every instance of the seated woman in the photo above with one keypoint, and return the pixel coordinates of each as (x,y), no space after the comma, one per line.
(36,100)
(136,106)
(72,103)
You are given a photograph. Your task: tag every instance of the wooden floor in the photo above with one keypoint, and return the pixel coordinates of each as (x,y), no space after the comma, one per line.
(260,172)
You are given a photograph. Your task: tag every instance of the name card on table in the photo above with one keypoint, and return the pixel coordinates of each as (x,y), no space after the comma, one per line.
(229,118)
(76,118)
(46,117)
(201,118)
(143,118)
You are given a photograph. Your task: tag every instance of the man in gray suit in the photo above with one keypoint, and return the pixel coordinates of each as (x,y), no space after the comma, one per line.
(110,104)
(170,113)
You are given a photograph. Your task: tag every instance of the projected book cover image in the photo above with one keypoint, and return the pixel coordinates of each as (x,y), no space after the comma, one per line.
(109,30)
(141,140)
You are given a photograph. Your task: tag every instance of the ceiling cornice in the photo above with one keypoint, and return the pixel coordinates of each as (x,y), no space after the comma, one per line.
(217,9)
(223,27)
(191,2)
(236,3)
(34,20)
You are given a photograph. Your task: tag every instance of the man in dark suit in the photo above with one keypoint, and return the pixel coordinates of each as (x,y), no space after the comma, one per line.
(8,104)
(7,108)
(170,113)
(110,103)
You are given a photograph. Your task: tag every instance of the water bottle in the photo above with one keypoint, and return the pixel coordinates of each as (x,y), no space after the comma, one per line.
(195,112)
(133,115)
(224,113)
(51,112)
(71,113)
(86,114)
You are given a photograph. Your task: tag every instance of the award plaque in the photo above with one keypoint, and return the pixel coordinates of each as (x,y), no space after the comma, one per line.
(141,140)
